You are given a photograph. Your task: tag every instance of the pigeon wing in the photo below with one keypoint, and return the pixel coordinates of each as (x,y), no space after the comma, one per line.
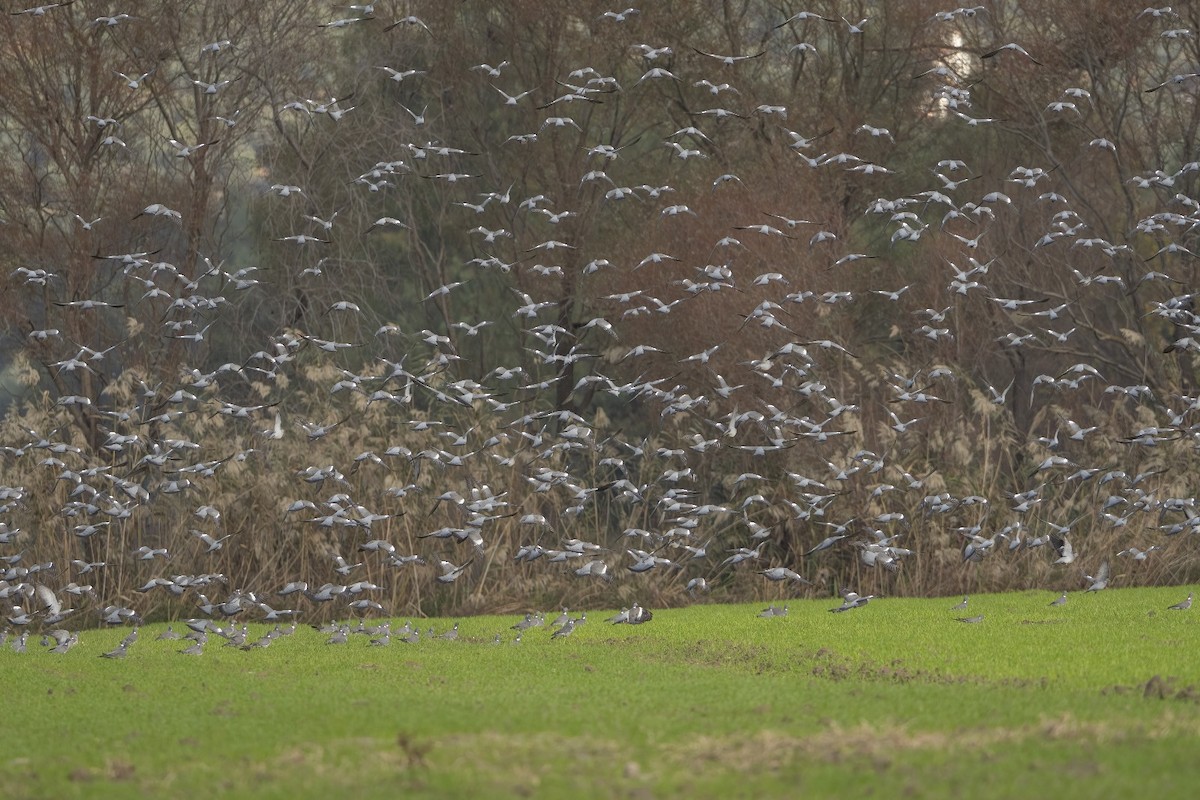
(47,599)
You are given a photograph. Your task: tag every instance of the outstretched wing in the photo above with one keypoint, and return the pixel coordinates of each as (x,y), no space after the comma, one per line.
(47,599)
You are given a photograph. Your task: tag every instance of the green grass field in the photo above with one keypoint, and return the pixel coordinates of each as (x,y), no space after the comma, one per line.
(1095,699)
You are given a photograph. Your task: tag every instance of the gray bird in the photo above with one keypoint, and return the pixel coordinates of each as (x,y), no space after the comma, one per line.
(213,544)
(117,615)
(199,637)
(1182,605)
(826,543)
(852,600)
(116,652)
(64,640)
(450,572)
(634,615)
(530,621)
(639,615)
(20,616)
(1061,600)
(1066,553)
(326,593)
(596,568)
(1100,581)
(46,600)
(970,620)
(960,606)
(776,574)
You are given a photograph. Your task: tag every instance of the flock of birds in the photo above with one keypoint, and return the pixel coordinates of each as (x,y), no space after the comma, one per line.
(196,636)
(147,456)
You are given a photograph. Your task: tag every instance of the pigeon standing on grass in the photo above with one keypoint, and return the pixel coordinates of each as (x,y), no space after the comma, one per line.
(1182,605)
(168,634)
(638,615)
(634,615)
(116,652)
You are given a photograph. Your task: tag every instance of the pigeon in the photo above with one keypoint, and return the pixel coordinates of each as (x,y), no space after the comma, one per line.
(1182,605)
(451,573)
(64,640)
(776,574)
(639,615)
(117,652)
(634,615)
(826,543)
(1066,553)
(1100,581)
(851,600)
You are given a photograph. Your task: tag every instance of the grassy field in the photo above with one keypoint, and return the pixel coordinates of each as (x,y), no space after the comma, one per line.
(1094,699)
